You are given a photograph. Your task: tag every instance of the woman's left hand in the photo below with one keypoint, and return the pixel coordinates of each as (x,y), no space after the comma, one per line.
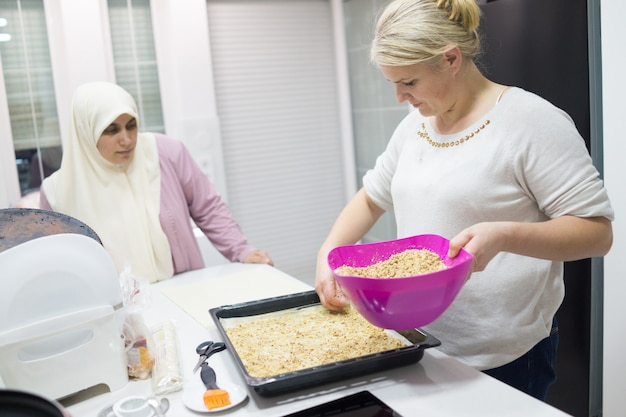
(564,238)
(482,240)
(258,257)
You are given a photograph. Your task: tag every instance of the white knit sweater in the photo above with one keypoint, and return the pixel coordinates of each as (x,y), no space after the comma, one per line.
(529,164)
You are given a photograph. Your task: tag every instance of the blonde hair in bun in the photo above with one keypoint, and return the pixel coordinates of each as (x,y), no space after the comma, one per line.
(416,31)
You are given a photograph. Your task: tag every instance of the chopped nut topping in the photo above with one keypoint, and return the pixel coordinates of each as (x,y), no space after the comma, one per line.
(278,343)
(403,264)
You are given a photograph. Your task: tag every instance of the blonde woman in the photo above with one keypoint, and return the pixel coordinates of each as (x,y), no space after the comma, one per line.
(498,170)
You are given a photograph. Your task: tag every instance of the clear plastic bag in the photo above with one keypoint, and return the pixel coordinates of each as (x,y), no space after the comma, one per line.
(137,336)
(167,374)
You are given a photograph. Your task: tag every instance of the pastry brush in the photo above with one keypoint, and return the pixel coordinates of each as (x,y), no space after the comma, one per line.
(214,397)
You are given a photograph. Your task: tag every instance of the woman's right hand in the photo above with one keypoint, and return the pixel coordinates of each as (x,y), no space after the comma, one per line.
(356,218)
(330,293)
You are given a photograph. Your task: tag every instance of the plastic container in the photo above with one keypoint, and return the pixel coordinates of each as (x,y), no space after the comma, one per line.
(405,302)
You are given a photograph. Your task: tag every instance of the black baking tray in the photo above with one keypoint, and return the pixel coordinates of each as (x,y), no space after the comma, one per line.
(306,378)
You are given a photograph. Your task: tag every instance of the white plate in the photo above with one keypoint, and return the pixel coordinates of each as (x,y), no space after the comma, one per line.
(193,389)
(108,412)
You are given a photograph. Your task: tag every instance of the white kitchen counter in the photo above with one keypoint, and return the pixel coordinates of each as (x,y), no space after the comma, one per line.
(435,386)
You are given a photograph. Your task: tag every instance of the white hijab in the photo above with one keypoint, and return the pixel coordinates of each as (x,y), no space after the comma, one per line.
(121,203)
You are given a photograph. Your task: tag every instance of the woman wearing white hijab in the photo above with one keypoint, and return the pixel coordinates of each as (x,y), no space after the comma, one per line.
(138,191)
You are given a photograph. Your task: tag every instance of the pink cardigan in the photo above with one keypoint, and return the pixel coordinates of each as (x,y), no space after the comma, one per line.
(187,194)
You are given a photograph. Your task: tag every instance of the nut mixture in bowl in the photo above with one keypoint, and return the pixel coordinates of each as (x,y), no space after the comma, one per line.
(408,263)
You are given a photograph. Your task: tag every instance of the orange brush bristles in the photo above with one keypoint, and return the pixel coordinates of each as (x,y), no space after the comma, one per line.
(216,398)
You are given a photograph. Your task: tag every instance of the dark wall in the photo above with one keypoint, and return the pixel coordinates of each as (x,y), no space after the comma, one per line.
(541,46)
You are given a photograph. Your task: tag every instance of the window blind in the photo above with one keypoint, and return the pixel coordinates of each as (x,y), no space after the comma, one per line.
(28,75)
(30,90)
(277,99)
(134,58)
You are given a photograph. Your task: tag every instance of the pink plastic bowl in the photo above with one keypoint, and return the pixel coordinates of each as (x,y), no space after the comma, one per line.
(406,302)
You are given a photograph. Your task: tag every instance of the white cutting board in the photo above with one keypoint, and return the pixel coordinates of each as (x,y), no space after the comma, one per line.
(198,298)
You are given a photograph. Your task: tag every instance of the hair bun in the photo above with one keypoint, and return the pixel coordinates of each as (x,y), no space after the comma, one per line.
(464,12)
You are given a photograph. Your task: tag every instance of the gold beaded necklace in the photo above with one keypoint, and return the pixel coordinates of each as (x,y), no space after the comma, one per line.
(424,135)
